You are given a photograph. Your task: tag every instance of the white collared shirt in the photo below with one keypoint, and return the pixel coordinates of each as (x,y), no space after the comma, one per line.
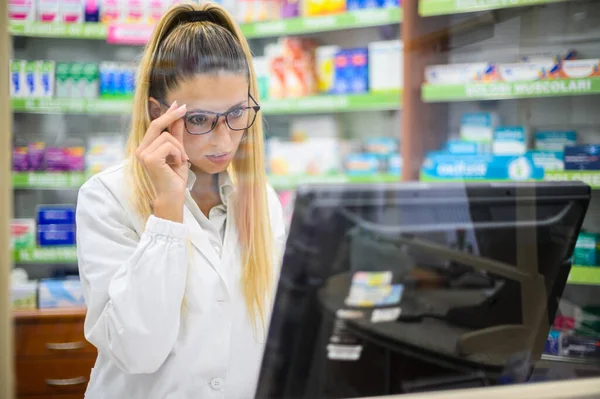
(215,224)
(165,308)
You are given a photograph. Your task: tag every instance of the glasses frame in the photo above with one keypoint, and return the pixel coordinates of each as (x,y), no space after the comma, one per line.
(218,115)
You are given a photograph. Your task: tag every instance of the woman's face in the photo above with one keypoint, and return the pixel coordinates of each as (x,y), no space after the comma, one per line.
(215,93)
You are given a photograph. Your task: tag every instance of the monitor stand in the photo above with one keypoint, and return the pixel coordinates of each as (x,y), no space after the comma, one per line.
(526,333)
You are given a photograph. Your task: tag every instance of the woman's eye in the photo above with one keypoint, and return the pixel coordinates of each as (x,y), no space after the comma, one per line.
(236,113)
(197,119)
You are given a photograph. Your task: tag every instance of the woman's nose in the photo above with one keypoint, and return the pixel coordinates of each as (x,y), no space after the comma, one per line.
(221,133)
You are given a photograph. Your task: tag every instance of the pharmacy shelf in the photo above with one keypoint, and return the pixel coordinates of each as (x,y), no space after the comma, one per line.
(66,31)
(304,25)
(443,7)
(290,183)
(333,103)
(510,90)
(287,26)
(64,255)
(48,180)
(584,275)
(71,105)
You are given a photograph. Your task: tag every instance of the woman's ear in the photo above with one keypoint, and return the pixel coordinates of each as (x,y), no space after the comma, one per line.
(154,108)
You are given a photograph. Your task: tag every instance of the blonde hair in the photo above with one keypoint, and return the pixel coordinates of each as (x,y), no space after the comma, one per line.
(178,50)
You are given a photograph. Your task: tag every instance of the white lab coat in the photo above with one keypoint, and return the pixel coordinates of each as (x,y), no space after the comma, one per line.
(165,309)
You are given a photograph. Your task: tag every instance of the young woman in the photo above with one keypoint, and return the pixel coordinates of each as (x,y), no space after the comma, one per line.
(178,247)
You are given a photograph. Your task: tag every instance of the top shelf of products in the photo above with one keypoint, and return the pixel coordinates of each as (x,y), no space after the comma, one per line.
(290,26)
(429,8)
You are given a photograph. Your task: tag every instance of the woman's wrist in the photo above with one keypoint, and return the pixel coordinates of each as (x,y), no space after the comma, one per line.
(170,207)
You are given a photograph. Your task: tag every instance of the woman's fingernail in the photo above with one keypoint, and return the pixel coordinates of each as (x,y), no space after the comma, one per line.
(174,105)
(182,109)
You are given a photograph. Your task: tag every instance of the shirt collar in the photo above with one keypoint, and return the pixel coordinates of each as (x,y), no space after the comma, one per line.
(226,187)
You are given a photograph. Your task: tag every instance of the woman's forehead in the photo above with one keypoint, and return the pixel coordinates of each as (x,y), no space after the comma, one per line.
(216,92)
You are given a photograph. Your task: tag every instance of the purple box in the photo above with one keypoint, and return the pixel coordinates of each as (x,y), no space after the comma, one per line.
(20,161)
(35,155)
(290,8)
(68,159)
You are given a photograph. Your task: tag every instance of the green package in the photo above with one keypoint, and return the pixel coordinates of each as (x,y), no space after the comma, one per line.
(63,80)
(586,250)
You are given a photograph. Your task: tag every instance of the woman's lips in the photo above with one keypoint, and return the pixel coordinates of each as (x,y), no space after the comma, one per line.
(219,158)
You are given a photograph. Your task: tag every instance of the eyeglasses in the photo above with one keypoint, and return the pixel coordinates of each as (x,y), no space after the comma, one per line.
(199,122)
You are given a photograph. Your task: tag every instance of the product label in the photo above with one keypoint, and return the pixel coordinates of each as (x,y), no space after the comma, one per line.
(385,315)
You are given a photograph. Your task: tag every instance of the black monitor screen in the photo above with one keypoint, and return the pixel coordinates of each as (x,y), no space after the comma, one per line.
(382,285)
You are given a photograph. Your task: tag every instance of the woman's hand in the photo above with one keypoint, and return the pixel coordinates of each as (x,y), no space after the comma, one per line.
(163,156)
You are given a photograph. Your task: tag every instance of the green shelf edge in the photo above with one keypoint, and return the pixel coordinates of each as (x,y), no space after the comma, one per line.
(96,31)
(290,183)
(72,105)
(285,106)
(325,23)
(285,26)
(333,103)
(63,255)
(428,8)
(590,177)
(510,90)
(50,180)
(584,275)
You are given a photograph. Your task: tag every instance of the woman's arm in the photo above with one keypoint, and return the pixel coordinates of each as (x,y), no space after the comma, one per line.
(133,286)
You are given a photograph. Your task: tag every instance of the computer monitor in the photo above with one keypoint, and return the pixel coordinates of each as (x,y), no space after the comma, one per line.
(385,288)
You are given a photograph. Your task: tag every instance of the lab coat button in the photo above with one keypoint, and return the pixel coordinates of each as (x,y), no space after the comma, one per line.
(216,384)
(217,249)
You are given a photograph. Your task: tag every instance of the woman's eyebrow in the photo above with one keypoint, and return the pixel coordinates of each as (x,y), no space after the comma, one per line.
(241,103)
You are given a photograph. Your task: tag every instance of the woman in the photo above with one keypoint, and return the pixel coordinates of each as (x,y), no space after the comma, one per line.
(178,247)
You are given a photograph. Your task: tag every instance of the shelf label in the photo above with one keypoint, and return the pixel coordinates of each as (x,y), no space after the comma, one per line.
(133,34)
(505,90)
(48,180)
(439,7)
(75,31)
(591,178)
(58,254)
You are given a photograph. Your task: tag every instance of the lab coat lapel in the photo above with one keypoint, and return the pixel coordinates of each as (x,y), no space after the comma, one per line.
(199,239)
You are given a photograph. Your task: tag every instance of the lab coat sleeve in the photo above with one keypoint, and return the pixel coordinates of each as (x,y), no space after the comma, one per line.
(133,285)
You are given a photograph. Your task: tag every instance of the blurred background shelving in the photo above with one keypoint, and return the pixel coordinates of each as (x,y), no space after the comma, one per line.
(389,116)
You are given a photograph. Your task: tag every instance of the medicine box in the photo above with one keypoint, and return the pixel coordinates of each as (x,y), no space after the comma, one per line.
(22,234)
(361,164)
(461,73)
(547,160)
(54,293)
(385,66)
(509,141)
(554,140)
(63,82)
(21,10)
(23,295)
(478,126)
(44,78)
(582,157)
(351,71)
(586,250)
(56,214)
(325,56)
(462,147)
(18,86)
(56,235)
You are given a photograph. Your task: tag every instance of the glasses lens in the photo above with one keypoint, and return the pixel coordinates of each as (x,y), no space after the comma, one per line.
(199,123)
(241,119)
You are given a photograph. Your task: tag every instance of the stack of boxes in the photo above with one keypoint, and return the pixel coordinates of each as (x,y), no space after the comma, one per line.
(297,67)
(150,11)
(45,79)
